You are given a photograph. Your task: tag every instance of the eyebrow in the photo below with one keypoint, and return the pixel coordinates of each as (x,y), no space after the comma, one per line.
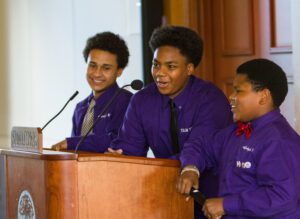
(167,62)
(105,64)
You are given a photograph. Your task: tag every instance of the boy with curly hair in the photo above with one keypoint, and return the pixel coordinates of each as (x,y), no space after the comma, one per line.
(176,96)
(107,55)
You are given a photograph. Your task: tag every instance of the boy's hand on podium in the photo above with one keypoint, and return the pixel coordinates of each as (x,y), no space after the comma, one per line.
(187,179)
(112,151)
(62,145)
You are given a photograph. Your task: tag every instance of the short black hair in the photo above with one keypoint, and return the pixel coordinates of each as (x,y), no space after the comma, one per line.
(263,73)
(109,42)
(186,40)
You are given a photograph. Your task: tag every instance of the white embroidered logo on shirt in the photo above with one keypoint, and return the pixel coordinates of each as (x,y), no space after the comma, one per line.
(185,130)
(244,165)
(106,116)
(247,148)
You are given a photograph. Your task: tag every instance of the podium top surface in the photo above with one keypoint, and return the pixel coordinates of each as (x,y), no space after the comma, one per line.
(90,157)
(46,155)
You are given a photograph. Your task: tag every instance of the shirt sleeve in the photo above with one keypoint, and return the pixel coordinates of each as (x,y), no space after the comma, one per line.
(276,188)
(213,114)
(131,138)
(203,152)
(101,139)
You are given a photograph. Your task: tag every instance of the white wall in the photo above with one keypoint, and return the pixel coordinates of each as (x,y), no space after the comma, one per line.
(45,65)
(296,57)
(3,76)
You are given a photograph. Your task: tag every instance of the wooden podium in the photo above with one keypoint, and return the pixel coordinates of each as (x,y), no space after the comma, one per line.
(87,185)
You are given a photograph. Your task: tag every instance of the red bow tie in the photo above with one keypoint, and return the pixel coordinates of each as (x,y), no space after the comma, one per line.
(243,128)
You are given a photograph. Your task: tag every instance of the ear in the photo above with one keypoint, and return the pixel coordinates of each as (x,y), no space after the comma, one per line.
(190,68)
(265,97)
(119,72)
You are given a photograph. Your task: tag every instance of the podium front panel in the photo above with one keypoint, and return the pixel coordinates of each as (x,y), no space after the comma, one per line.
(67,185)
(130,188)
(44,186)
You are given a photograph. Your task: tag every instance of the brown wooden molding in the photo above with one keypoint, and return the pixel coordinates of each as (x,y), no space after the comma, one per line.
(237,30)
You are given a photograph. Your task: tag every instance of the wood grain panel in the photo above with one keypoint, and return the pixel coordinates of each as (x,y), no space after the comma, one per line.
(175,12)
(61,187)
(237,27)
(205,27)
(138,191)
(51,184)
(26,174)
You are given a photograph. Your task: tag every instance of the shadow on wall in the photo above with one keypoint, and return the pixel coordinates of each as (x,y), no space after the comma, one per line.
(4,92)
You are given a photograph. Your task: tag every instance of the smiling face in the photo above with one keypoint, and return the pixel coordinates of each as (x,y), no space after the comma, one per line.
(247,104)
(170,70)
(102,71)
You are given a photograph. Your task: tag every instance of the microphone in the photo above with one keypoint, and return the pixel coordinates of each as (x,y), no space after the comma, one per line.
(198,196)
(71,98)
(135,84)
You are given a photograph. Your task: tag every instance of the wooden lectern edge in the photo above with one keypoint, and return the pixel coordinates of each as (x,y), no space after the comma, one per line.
(45,155)
(82,156)
(129,159)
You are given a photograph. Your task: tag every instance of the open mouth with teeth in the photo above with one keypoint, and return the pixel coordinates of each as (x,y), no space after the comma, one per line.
(96,81)
(233,107)
(162,84)
(233,103)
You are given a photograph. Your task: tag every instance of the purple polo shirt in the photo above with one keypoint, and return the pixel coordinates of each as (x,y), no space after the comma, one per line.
(201,107)
(107,127)
(259,176)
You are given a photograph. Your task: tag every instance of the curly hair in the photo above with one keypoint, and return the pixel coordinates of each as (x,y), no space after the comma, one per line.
(186,40)
(263,73)
(110,42)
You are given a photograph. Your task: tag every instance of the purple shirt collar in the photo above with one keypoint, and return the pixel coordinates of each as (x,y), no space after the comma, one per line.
(181,98)
(265,119)
(107,94)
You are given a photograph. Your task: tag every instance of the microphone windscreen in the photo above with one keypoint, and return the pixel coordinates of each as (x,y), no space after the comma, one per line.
(74,95)
(137,84)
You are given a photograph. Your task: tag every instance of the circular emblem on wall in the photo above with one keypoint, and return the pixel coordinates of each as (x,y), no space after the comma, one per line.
(26,206)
